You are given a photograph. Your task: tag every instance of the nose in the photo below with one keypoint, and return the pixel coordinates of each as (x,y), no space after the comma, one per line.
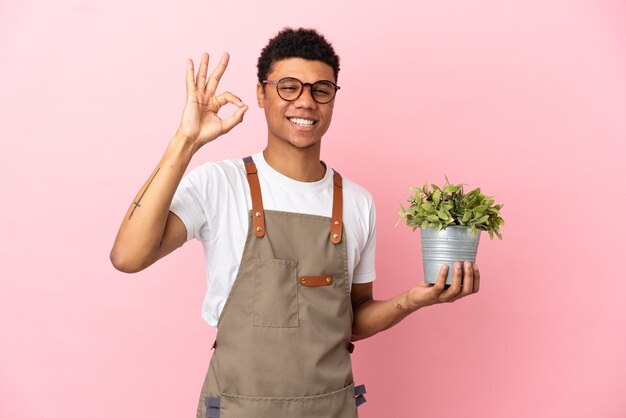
(306,98)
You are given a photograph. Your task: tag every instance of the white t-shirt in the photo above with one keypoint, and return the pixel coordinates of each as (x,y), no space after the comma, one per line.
(213,201)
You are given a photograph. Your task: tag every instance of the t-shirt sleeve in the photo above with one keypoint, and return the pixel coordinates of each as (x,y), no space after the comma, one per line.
(365,270)
(186,204)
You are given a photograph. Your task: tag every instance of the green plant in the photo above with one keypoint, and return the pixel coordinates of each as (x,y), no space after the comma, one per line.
(437,207)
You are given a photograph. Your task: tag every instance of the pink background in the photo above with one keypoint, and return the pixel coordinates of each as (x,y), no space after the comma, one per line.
(526,99)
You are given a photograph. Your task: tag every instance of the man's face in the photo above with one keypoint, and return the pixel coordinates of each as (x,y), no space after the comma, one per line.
(284,118)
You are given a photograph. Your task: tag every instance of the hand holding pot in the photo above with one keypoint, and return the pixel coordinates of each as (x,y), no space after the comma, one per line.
(425,294)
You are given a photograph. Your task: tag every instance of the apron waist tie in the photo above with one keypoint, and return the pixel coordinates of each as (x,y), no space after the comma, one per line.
(213,403)
(359,391)
(212,407)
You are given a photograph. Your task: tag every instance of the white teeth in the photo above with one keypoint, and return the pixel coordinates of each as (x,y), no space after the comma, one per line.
(299,121)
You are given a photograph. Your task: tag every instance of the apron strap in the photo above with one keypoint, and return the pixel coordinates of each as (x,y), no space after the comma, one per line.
(337,217)
(258,214)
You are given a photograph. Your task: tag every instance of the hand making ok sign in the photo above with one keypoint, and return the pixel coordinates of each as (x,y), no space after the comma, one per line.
(200,122)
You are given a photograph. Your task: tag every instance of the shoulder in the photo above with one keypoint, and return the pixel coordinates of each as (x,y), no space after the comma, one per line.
(356,193)
(227,167)
(230,170)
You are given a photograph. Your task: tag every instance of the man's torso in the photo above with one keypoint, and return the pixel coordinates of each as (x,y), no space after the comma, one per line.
(213,202)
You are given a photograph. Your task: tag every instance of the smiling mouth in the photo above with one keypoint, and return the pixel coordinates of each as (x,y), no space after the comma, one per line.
(302,121)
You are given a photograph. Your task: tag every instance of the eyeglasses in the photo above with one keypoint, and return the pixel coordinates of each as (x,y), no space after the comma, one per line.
(289,89)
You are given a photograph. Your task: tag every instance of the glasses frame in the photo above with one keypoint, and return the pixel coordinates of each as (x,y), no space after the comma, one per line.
(303,85)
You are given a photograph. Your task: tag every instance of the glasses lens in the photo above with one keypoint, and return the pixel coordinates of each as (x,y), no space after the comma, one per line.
(323,91)
(289,88)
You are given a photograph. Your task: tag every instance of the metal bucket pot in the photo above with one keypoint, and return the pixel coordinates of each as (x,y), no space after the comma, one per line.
(454,243)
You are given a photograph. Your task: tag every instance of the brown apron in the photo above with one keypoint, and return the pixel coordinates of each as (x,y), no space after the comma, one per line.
(283,343)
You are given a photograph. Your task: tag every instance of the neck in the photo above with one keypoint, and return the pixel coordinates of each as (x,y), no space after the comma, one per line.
(296,163)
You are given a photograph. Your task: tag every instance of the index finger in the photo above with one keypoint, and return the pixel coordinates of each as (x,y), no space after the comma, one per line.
(440,282)
(455,288)
(217,73)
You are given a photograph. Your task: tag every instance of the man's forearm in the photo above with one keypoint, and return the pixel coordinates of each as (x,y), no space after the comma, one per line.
(143,225)
(373,316)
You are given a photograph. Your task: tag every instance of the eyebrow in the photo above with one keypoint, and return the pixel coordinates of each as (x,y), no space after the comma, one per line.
(296,78)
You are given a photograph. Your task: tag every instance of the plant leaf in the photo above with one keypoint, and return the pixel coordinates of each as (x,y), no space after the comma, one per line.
(428,207)
(437,196)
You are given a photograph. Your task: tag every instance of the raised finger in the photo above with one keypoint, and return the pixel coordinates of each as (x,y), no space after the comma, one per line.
(204,64)
(191,85)
(476,278)
(455,288)
(217,73)
(468,279)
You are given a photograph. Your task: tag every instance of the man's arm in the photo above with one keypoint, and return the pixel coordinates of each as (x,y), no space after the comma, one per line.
(149,230)
(372,316)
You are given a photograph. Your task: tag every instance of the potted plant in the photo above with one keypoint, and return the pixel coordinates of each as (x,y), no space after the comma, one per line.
(450,223)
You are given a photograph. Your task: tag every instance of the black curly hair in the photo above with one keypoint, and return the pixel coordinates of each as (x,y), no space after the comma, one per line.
(296,43)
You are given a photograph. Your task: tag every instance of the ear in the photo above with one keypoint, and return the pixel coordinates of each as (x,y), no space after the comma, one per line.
(260,95)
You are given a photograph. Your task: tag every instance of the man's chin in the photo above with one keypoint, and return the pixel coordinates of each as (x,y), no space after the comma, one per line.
(303,145)
(303,142)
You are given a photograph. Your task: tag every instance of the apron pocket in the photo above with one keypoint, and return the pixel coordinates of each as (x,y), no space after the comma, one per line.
(336,404)
(275,293)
